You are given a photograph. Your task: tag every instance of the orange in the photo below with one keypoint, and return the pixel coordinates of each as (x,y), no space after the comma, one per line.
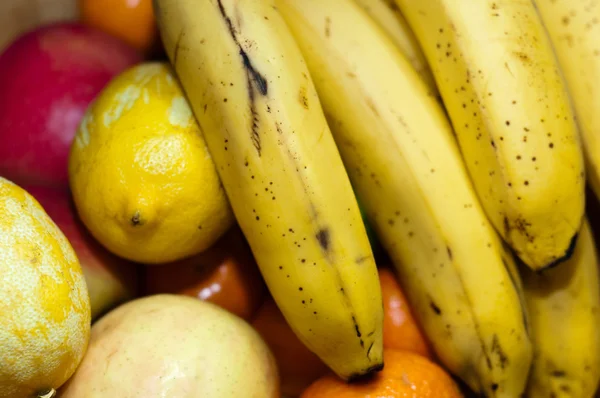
(400,328)
(130,20)
(225,274)
(405,374)
(298,367)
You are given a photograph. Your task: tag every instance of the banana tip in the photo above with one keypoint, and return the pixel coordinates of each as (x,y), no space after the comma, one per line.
(365,374)
(568,254)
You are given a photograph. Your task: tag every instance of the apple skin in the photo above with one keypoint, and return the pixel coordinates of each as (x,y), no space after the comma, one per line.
(49,76)
(110,279)
(174,346)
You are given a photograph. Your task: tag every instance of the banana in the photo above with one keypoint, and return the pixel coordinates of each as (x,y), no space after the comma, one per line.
(405,165)
(565,324)
(387,15)
(499,80)
(252,94)
(574,30)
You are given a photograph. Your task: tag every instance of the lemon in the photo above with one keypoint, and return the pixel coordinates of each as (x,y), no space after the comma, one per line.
(45,312)
(141,175)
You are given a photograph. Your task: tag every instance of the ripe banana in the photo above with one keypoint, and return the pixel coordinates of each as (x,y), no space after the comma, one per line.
(398,148)
(574,30)
(252,94)
(503,91)
(565,324)
(387,15)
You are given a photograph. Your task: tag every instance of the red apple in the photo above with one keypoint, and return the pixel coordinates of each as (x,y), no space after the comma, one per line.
(110,279)
(48,77)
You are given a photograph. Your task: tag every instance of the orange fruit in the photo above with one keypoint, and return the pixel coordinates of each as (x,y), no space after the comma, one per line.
(298,367)
(405,374)
(225,274)
(130,20)
(400,328)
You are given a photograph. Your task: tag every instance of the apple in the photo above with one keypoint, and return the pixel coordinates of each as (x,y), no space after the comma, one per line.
(110,279)
(174,346)
(49,76)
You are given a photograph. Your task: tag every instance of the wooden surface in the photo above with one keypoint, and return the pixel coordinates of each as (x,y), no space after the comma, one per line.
(17,16)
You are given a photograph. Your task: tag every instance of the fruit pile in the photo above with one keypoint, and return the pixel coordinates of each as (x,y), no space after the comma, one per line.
(302,198)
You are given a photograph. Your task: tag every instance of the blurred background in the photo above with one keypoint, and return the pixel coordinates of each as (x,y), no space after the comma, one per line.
(17,16)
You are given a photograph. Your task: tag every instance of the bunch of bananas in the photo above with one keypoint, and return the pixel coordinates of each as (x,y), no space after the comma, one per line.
(454,124)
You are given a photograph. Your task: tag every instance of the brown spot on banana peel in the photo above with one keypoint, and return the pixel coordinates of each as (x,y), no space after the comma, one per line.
(496,348)
(506,226)
(177,48)
(522,57)
(449,252)
(371,369)
(254,80)
(303,98)
(565,388)
(558,373)
(522,226)
(324,239)
(393,6)
(362,259)
(357,329)
(435,308)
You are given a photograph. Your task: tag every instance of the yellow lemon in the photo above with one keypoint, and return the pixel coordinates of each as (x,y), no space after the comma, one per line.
(141,175)
(44,304)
